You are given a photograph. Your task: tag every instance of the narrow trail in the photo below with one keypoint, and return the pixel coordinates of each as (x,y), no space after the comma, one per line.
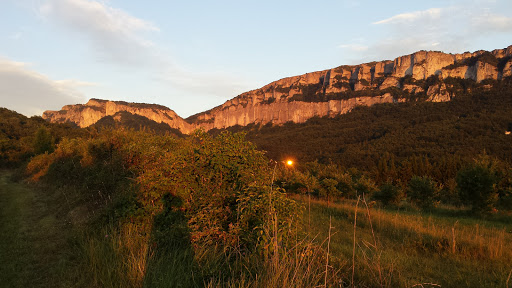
(35,250)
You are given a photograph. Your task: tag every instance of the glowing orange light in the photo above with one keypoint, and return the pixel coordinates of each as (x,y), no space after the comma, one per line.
(289,162)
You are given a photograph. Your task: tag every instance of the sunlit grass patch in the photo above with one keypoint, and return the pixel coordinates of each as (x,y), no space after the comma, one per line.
(416,247)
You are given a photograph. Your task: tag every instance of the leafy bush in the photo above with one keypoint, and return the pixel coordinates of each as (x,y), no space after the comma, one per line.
(423,192)
(389,195)
(223,182)
(43,141)
(476,184)
(365,186)
(328,188)
(505,199)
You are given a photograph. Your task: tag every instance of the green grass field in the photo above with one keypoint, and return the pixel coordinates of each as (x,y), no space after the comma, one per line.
(409,247)
(37,244)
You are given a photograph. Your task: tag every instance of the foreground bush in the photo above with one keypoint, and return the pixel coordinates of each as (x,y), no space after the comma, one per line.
(208,197)
(224,183)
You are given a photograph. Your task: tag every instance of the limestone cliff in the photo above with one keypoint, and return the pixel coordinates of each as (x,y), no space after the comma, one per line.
(91,112)
(336,91)
(421,76)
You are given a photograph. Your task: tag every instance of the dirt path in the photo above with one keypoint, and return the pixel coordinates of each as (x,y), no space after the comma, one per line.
(35,248)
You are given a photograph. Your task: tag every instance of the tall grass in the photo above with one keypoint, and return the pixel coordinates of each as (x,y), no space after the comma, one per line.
(469,239)
(125,255)
(117,256)
(347,244)
(394,248)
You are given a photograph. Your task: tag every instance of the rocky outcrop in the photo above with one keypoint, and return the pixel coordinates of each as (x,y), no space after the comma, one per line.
(413,89)
(390,82)
(507,69)
(323,93)
(438,93)
(91,112)
(282,112)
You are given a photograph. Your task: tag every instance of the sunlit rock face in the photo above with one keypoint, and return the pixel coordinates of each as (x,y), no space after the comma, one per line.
(286,99)
(438,93)
(328,93)
(507,69)
(89,113)
(282,112)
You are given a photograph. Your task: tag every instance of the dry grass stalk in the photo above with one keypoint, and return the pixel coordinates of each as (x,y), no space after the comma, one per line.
(327,256)
(508,279)
(354,247)
(454,248)
(374,241)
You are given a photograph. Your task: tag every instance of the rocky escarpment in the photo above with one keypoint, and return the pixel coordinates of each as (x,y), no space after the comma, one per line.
(96,109)
(421,75)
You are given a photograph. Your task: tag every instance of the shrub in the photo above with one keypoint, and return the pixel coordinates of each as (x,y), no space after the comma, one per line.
(423,192)
(365,186)
(43,141)
(476,185)
(389,195)
(505,199)
(328,189)
(224,183)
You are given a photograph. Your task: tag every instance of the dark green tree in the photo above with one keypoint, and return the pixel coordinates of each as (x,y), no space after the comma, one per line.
(389,195)
(329,189)
(43,141)
(423,192)
(476,185)
(505,190)
(365,187)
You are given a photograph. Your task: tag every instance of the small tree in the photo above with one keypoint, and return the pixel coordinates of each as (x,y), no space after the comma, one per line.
(449,194)
(476,185)
(365,186)
(345,185)
(389,194)
(423,192)
(43,141)
(329,189)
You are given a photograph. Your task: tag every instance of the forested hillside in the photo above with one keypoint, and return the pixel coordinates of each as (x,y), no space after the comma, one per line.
(22,137)
(421,137)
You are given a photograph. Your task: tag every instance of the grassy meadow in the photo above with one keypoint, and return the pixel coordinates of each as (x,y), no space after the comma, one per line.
(407,247)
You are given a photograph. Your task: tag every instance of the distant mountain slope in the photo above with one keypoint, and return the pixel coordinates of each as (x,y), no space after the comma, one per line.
(421,76)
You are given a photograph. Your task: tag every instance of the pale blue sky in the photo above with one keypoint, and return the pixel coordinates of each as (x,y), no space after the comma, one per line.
(194,55)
